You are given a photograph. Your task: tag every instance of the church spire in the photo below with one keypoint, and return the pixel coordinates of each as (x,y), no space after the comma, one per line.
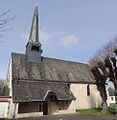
(34,34)
(33,47)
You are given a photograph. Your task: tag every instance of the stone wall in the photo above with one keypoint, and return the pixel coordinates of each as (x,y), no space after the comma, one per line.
(3,109)
(84,101)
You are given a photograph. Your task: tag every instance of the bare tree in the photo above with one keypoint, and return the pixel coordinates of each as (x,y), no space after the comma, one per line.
(105,51)
(4,22)
(104,65)
(100,75)
(4,89)
(111,64)
(1,88)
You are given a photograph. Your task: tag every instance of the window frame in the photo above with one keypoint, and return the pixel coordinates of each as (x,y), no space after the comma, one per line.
(88,90)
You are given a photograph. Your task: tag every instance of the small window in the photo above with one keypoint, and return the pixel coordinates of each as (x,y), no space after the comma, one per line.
(88,90)
(112,98)
(35,48)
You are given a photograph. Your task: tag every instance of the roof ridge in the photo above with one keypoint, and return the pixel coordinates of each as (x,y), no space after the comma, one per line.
(65,60)
(51,58)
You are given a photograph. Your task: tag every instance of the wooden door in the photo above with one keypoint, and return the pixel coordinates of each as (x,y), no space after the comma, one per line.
(45,108)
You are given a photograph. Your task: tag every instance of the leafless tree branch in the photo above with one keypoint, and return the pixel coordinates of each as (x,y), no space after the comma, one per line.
(4,22)
(104,65)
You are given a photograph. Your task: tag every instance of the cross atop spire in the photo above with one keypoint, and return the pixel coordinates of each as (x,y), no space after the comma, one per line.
(34,35)
(36,2)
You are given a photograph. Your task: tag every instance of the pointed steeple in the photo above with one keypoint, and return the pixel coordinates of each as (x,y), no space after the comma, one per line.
(34,34)
(33,47)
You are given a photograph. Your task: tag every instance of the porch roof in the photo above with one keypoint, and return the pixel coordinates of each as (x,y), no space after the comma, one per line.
(26,91)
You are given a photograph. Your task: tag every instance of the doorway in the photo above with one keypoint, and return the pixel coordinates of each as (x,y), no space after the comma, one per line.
(45,108)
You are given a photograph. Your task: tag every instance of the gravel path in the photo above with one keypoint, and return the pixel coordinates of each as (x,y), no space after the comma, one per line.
(71,117)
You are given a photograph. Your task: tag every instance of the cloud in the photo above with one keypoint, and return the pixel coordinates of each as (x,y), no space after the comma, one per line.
(46,36)
(69,40)
(62,39)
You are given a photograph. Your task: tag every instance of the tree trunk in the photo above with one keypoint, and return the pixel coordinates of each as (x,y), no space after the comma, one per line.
(104,107)
(116,99)
(116,104)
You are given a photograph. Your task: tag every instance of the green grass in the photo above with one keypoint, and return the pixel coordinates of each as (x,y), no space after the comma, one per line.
(112,109)
(93,111)
(97,111)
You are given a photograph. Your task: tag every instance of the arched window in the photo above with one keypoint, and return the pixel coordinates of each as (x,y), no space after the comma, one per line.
(88,90)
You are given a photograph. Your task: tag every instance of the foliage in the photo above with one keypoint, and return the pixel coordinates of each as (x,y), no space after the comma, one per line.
(112,109)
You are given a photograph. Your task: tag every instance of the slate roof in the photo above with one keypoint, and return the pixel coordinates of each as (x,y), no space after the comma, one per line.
(24,91)
(51,70)
(33,81)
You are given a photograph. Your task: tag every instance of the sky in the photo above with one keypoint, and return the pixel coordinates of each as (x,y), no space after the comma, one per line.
(68,29)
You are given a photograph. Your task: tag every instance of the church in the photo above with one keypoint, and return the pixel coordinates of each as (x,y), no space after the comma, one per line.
(44,86)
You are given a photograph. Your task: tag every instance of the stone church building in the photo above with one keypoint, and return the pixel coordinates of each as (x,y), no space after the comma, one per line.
(47,85)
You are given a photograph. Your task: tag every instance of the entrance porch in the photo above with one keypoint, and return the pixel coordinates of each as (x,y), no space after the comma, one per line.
(51,105)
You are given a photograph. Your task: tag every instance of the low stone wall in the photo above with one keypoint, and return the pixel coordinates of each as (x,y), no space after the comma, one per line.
(27,115)
(3,109)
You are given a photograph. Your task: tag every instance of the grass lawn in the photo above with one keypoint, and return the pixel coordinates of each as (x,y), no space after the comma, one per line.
(97,111)
(93,112)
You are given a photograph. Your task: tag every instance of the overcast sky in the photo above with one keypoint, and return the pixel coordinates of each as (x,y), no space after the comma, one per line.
(69,29)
